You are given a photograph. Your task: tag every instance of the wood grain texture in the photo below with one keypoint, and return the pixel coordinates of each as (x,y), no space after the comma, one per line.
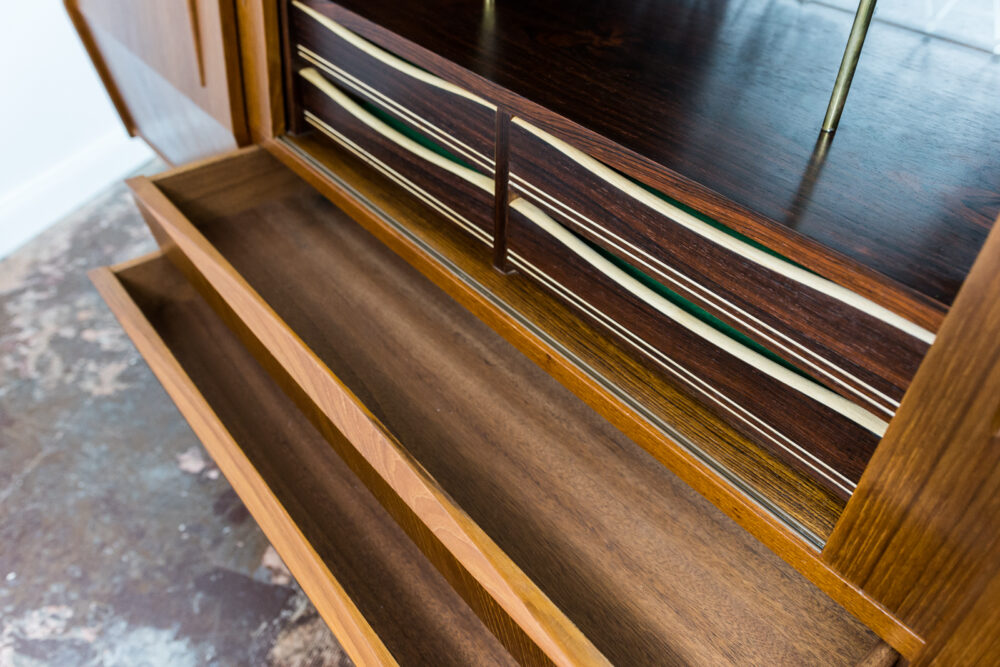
(466,203)
(841,343)
(479,417)
(162,35)
(464,126)
(151,54)
(381,599)
(797,428)
(235,184)
(972,637)
(922,533)
(192,134)
(882,655)
(659,113)
(599,365)
(376,121)
(433,549)
(260,58)
(587,362)
(518,598)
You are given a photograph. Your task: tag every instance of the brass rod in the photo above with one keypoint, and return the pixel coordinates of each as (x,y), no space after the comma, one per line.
(866,8)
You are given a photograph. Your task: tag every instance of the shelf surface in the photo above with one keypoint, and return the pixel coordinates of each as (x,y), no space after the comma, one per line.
(731,95)
(418,617)
(643,565)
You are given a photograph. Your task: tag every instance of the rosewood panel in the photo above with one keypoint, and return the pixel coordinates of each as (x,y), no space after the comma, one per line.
(719,104)
(459,194)
(457,119)
(807,426)
(852,345)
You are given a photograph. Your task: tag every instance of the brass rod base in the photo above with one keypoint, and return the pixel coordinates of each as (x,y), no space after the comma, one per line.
(856,40)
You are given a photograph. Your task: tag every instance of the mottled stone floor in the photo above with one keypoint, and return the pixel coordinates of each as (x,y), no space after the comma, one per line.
(120,544)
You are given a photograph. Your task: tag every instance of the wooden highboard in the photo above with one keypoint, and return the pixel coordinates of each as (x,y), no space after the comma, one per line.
(911,549)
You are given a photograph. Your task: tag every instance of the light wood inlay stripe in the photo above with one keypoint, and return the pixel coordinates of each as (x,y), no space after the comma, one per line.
(375,95)
(738,411)
(818,393)
(331,91)
(772,263)
(685,282)
(398,178)
(387,58)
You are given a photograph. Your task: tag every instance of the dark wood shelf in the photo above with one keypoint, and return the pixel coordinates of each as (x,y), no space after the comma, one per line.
(411,608)
(719,104)
(592,519)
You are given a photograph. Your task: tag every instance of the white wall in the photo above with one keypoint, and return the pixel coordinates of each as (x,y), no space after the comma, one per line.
(61,141)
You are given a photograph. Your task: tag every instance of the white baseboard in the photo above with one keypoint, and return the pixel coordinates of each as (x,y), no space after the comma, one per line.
(33,206)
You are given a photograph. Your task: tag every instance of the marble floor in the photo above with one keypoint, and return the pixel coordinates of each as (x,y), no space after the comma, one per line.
(120,543)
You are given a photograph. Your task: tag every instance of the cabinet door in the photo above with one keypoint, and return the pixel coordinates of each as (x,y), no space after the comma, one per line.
(172,70)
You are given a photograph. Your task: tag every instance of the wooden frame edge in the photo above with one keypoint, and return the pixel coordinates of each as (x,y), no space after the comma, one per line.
(333,603)
(921,530)
(513,591)
(232,55)
(259,56)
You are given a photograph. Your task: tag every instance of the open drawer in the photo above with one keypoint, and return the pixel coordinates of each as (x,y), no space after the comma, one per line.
(569,541)
(368,580)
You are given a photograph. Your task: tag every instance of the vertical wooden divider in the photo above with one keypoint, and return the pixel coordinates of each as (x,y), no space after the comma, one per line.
(501,175)
(259,36)
(922,532)
(292,120)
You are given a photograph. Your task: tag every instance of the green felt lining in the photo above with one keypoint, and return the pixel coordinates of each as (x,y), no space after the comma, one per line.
(408,131)
(711,222)
(694,309)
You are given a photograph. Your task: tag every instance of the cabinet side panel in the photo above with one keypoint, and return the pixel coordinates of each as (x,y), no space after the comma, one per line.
(922,532)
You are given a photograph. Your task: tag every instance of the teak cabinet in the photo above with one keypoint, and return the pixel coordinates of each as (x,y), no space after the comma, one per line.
(516,357)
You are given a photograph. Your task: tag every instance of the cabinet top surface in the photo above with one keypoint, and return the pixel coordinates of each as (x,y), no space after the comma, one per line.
(731,96)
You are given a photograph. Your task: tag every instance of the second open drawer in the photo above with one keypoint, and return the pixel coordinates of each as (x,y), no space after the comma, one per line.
(370,583)
(569,541)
